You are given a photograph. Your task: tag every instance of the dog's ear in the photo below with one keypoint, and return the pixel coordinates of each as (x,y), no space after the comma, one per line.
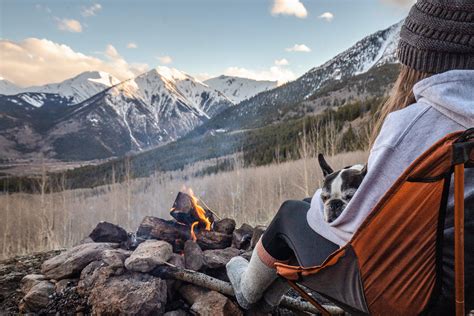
(363,172)
(324,165)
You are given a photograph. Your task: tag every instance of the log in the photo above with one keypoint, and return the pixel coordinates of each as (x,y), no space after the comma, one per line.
(177,234)
(208,282)
(183,210)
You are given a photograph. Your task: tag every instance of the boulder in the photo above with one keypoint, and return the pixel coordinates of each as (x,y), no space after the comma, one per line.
(225,226)
(148,255)
(64,284)
(247,255)
(215,304)
(177,260)
(178,312)
(193,256)
(115,258)
(29,281)
(130,294)
(38,297)
(218,258)
(70,263)
(257,233)
(190,293)
(94,272)
(108,232)
(241,237)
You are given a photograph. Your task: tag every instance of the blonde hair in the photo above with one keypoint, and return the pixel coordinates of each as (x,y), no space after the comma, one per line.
(400,97)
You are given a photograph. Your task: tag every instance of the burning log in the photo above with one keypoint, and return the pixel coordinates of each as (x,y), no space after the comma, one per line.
(186,210)
(177,234)
(208,282)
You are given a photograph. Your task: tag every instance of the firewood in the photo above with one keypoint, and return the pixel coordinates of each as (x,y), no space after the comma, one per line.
(177,234)
(208,282)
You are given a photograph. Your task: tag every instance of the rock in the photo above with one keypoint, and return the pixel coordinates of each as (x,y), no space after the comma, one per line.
(70,263)
(257,233)
(247,255)
(178,312)
(93,273)
(193,256)
(148,255)
(108,232)
(225,226)
(64,284)
(38,297)
(241,237)
(115,258)
(215,304)
(86,240)
(132,242)
(130,294)
(177,260)
(190,293)
(218,258)
(29,281)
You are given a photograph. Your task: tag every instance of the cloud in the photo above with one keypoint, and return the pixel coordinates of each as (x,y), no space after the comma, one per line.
(298,48)
(289,7)
(111,52)
(274,73)
(91,10)
(165,60)
(69,25)
(36,61)
(132,45)
(281,62)
(327,16)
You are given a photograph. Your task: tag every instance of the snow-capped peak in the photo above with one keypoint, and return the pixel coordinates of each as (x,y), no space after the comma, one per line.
(238,89)
(80,87)
(172,74)
(8,87)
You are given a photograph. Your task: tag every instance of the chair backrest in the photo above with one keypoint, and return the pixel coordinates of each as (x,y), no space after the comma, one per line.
(391,264)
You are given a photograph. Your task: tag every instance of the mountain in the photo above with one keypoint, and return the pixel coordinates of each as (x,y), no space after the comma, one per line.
(322,98)
(238,89)
(80,87)
(8,87)
(373,51)
(156,107)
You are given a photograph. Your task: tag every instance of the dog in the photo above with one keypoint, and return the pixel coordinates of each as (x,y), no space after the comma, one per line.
(339,187)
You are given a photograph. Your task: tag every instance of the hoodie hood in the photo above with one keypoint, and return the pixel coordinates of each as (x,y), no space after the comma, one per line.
(451,93)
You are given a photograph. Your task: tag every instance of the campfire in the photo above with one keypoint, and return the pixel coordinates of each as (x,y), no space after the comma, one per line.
(187,211)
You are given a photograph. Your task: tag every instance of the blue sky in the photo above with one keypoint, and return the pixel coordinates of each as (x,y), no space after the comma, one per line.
(201,37)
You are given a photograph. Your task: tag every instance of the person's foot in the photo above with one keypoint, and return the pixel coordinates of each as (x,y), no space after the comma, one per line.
(236,268)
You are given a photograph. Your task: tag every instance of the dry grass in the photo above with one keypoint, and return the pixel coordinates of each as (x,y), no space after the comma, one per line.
(37,222)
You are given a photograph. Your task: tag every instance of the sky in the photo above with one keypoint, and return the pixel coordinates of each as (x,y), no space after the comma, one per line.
(44,41)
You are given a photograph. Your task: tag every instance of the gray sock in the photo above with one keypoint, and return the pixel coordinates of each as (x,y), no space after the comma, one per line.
(249,279)
(256,279)
(236,268)
(272,297)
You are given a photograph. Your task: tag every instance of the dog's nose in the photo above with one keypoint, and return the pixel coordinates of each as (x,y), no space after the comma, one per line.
(336,204)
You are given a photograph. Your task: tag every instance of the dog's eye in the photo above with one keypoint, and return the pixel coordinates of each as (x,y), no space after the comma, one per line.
(347,196)
(324,197)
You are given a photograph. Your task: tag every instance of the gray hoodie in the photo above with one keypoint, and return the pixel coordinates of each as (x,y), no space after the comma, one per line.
(445,103)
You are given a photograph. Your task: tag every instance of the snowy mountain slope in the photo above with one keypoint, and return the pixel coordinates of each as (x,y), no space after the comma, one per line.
(266,107)
(238,89)
(154,108)
(80,87)
(8,87)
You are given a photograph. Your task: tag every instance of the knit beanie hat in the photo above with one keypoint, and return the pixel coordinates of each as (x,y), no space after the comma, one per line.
(438,35)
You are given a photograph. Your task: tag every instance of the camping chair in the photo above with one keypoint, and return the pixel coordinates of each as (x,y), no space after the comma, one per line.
(392,265)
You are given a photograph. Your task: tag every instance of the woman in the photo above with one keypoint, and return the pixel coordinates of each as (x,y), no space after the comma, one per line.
(433,96)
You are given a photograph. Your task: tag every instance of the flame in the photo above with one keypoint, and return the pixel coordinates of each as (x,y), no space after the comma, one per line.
(200,212)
